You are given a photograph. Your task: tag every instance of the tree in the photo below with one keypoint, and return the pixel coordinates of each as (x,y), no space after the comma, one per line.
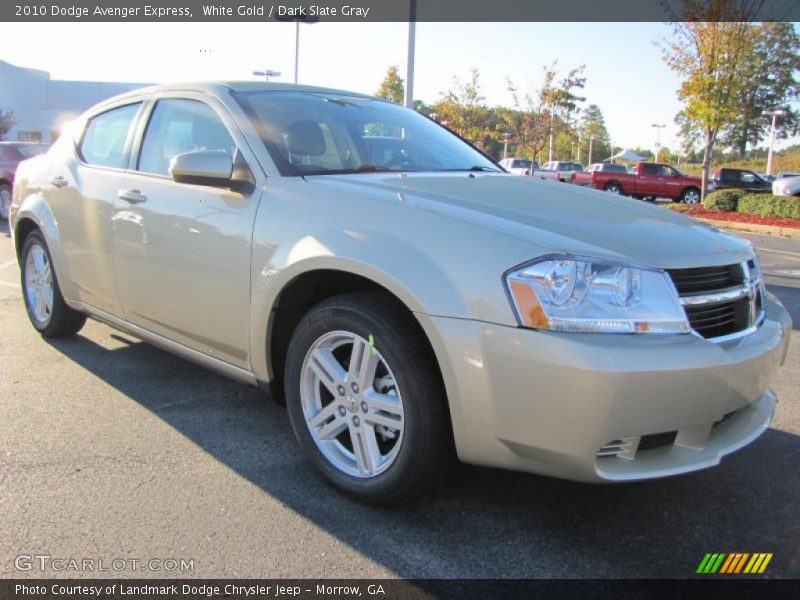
(712,40)
(7,121)
(392,87)
(593,127)
(462,109)
(544,113)
(767,82)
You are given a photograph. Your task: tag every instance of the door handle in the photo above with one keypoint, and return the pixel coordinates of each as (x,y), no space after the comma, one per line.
(58,181)
(132,196)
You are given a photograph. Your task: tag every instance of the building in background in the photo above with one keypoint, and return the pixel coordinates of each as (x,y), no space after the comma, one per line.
(42,106)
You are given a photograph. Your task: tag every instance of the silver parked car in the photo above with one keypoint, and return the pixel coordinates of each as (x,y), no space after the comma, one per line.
(786,186)
(407,299)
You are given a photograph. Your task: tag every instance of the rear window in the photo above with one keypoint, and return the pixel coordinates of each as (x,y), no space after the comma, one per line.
(106,137)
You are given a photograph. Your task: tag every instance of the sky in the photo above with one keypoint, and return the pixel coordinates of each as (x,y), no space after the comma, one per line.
(625,74)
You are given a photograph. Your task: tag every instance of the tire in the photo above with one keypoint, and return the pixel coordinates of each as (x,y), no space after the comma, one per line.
(5,201)
(410,441)
(47,310)
(613,188)
(690,196)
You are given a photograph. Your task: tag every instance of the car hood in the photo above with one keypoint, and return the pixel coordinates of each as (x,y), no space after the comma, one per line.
(557,216)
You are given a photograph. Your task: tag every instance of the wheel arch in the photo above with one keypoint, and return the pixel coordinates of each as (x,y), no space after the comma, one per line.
(34,214)
(310,287)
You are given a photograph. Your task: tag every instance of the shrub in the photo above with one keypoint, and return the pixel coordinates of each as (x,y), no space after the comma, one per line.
(767,205)
(723,200)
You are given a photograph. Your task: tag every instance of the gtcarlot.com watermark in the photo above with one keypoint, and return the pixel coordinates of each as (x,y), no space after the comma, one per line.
(45,563)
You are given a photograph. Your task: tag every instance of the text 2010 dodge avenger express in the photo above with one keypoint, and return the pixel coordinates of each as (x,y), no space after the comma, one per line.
(403,295)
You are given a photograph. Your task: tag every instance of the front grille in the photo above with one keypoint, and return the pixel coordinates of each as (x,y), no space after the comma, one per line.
(715,320)
(706,279)
(709,298)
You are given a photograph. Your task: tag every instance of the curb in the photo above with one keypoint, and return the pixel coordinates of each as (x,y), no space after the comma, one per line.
(787,232)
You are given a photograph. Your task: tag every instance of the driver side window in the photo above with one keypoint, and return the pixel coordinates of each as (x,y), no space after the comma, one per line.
(178,126)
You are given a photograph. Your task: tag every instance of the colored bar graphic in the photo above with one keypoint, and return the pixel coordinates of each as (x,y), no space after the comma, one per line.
(729,564)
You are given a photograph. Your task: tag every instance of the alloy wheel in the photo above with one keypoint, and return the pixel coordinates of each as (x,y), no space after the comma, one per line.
(39,284)
(351,404)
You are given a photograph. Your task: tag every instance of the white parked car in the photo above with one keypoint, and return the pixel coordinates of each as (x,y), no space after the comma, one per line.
(566,169)
(786,186)
(524,166)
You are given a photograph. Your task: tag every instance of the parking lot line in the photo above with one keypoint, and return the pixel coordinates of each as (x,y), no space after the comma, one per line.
(8,263)
(796,254)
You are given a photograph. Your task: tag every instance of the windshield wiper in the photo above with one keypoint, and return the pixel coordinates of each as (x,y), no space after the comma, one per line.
(476,168)
(361,169)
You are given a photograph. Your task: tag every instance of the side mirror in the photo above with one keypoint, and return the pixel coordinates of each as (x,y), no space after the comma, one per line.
(202,167)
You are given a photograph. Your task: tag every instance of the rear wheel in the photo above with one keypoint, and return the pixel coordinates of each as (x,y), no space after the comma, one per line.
(690,196)
(46,307)
(366,400)
(5,200)
(613,188)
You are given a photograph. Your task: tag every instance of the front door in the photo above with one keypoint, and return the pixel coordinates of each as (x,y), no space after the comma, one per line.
(182,250)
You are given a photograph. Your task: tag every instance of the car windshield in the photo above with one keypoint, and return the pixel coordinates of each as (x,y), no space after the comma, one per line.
(314,133)
(521,163)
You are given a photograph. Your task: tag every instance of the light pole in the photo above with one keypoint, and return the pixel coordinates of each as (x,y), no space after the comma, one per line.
(506,135)
(658,137)
(775,114)
(266,74)
(591,143)
(297,21)
(412,33)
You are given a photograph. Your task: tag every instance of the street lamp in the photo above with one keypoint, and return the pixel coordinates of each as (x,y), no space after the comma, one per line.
(506,136)
(591,143)
(658,137)
(266,74)
(297,21)
(774,114)
(412,33)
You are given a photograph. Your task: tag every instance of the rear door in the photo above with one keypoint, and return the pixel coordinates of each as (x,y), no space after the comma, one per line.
(183,250)
(647,181)
(82,193)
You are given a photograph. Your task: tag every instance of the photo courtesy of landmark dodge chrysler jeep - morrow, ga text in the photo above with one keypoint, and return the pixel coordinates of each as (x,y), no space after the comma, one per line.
(409,300)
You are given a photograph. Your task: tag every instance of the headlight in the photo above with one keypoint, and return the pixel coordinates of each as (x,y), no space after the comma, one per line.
(563,293)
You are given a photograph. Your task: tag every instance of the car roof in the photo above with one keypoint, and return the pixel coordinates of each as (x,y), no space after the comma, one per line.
(220,88)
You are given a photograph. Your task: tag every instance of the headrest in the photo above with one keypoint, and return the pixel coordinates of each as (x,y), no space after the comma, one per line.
(305,138)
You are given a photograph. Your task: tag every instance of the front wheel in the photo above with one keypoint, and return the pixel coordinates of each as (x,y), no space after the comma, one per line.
(366,400)
(691,196)
(613,188)
(46,307)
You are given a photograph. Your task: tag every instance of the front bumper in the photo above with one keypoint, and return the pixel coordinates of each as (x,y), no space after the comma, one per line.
(550,403)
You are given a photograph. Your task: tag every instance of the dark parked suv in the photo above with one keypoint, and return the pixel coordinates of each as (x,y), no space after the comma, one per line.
(742,179)
(11,154)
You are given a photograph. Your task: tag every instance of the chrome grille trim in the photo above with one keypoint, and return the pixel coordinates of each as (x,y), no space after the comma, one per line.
(751,288)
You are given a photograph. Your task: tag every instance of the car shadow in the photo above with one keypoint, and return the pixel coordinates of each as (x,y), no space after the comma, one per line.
(4,228)
(480,523)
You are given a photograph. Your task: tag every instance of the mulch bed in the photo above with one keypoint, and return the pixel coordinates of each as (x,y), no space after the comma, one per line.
(700,212)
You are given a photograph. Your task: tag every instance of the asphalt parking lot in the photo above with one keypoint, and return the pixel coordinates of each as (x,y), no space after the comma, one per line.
(110,448)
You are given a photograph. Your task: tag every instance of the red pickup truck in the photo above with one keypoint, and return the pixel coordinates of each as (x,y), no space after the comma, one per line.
(648,180)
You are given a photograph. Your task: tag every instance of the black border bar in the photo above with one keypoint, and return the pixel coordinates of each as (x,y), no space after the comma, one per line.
(391,10)
(709,588)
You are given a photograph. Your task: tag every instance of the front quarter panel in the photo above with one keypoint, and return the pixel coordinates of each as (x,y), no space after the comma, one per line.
(417,255)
